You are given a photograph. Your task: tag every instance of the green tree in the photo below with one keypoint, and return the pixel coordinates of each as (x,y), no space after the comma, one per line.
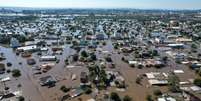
(114,96)
(197,82)
(93,57)
(21,98)
(194,46)
(66,62)
(157,92)
(84,54)
(75,57)
(173,81)
(64,89)
(16,73)
(149,98)
(165,59)
(127,98)
(108,59)
(138,80)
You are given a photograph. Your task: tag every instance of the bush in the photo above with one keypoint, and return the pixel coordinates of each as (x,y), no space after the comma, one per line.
(157,92)
(194,46)
(9,64)
(114,96)
(66,62)
(140,66)
(84,54)
(19,85)
(16,73)
(8,70)
(88,91)
(64,89)
(165,59)
(173,81)
(104,43)
(123,59)
(93,57)
(138,80)
(197,82)
(6,88)
(155,53)
(115,46)
(75,57)
(127,98)
(108,59)
(21,98)
(149,98)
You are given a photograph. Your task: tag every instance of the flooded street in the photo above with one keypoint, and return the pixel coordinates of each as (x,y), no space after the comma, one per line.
(34,92)
(100,55)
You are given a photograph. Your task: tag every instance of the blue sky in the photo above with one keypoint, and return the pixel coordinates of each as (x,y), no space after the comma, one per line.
(143,4)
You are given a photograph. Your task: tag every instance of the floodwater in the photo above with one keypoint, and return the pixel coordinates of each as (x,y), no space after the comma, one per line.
(32,91)
(30,87)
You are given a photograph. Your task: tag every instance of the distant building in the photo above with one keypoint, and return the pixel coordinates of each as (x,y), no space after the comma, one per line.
(176,45)
(166,99)
(28,48)
(48,58)
(101,36)
(14,43)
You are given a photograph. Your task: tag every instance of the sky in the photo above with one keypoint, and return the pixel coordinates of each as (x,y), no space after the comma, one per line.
(138,4)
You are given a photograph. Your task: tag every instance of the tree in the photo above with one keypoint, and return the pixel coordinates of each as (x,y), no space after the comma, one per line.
(154,53)
(115,46)
(104,43)
(123,59)
(75,57)
(21,98)
(127,98)
(194,46)
(165,59)
(66,62)
(157,92)
(75,43)
(9,64)
(64,89)
(138,80)
(108,59)
(173,81)
(114,96)
(149,98)
(197,82)
(16,73)
(93,57)
(2,67)
(84,54)
(87,90)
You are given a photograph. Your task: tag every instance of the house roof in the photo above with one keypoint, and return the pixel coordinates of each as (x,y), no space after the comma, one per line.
(158,82)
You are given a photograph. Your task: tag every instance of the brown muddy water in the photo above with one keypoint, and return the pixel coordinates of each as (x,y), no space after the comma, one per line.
(32,91)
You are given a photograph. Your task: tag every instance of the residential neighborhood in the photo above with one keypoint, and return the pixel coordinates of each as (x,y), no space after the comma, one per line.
(113,55)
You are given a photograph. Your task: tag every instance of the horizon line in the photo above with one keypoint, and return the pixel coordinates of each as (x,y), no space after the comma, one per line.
(174,9)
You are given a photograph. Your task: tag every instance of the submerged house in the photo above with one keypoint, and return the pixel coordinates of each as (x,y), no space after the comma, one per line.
(176,45)
(48,58)
(28,48)
(47,81)
(157,78)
